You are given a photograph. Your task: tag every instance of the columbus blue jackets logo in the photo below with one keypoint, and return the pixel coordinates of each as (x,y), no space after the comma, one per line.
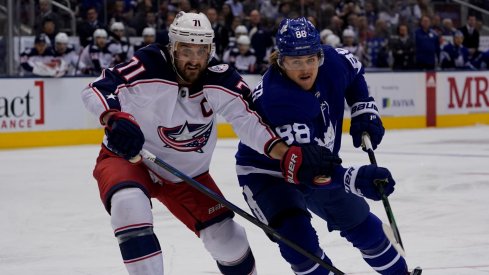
(186,137)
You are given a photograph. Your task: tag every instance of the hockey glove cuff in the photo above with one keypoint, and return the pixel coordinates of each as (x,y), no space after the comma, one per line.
(368,180)
(365,118)
(309,164)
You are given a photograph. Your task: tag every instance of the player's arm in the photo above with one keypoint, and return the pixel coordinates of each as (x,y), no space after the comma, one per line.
(365,117)
(124,136)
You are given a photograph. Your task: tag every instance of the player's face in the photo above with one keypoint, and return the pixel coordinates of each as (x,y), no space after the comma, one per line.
(303,70)
(191,60)
(61,47)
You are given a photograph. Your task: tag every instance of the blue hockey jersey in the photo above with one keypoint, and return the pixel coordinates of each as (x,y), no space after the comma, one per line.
(302,117)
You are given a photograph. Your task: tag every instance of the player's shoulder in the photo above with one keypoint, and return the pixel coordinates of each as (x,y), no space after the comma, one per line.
(221,74)
(342,60)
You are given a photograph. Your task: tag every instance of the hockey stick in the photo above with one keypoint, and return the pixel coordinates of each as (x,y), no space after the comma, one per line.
(197,185)
(393,230)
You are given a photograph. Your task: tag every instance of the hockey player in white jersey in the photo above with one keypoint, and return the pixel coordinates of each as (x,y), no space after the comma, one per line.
(166,100)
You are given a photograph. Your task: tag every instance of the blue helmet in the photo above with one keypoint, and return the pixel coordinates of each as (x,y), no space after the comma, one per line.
(297,37)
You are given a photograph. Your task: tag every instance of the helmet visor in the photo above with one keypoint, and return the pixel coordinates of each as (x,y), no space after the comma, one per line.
(297,63)
(192,52)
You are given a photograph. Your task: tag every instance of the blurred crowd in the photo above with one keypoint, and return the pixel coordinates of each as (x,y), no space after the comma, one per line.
(398,34)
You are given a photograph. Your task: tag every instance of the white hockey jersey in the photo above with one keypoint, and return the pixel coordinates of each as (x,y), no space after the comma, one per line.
(179,123)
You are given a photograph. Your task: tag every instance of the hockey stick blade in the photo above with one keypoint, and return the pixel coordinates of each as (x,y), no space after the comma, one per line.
(218,198)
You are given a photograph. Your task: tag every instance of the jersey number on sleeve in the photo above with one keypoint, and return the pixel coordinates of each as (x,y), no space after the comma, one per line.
(350,57)
(131,69)
(296,132)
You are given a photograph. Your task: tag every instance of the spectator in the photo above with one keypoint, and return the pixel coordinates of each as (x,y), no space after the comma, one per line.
(481,61)
(269,9)
(87,27)
(261,40)
(447,27)
(221,33)
(471,35)
(238,31)
(65,54)
(377,51)
(50,29)
(45,12)
(226,14)
(323,35)
(149,37)
(427,45)
(455,55)
(243,57)
(352,46)
(119,44)
(122,13)
(236,8)
(39,59)
(95,57)
(402,49)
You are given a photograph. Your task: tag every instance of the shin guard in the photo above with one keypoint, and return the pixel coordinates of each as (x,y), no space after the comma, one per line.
(132,222)
(376,249)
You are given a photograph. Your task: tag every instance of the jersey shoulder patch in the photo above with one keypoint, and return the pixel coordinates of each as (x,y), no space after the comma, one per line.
(221,68)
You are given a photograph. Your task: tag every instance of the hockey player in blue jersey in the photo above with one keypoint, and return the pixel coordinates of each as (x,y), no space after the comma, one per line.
(301,97)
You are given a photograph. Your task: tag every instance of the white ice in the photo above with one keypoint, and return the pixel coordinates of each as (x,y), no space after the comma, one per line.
(52,221)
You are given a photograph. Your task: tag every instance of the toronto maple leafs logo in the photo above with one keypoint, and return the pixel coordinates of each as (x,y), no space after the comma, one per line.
(186,137)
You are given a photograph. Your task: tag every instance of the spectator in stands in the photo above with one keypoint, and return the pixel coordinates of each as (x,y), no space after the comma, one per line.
(269,9)
(427,45)
(242,57)
(377,51)
(455,55)
(123,13)
(402,49)
(45,12)
(481,61)
(323,35)
(226,14)
(86,28)
(238,31)
(236,8)
(447,27)
(39,59)
(261,40)
(50,29)
(95,57)
(65,54)
(352,46)
(119,45)
(149,37)
(221,32)
(471,35)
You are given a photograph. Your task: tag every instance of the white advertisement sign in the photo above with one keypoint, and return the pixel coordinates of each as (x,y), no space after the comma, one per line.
(398,94)
(462,92)
(32,104)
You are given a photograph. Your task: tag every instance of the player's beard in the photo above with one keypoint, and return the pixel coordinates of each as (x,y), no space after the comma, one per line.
(190,72)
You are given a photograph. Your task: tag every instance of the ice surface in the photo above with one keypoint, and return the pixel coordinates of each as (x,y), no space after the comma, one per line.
(53,223)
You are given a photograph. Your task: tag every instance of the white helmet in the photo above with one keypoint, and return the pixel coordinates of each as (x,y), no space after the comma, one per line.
(117,26)
(348,33)
(191,28)
(61,38)
(243,40)
(100,33)
(149,31)
(333,40)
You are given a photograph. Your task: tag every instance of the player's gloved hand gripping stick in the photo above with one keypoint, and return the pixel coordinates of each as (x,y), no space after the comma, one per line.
(392,232)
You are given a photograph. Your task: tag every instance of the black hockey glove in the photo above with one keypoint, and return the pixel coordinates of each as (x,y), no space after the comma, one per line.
(124,136)
(365,118)
(368,180)
(308,164)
